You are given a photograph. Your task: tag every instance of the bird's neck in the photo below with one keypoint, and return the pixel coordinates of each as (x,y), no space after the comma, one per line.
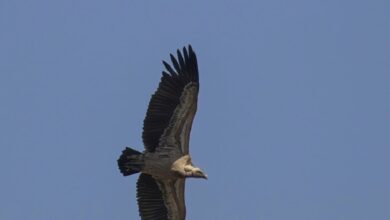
(183,166)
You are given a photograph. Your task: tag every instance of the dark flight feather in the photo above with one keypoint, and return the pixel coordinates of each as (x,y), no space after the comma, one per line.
(150,200)
(167,97)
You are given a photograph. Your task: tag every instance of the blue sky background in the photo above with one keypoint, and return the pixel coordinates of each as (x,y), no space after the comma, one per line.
(293,119)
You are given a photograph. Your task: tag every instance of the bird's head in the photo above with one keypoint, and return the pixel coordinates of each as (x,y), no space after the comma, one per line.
(198,173)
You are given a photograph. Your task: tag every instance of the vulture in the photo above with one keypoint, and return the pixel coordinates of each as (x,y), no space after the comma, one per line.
(165,163)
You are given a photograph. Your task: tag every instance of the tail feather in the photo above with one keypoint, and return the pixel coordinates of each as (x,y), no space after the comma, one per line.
(130,162)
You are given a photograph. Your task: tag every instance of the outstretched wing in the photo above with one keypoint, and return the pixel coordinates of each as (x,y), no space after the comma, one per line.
(150,201)
(173,106)
(160,200)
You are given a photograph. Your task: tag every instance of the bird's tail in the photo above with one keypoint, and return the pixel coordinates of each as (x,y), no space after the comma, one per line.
(130,162)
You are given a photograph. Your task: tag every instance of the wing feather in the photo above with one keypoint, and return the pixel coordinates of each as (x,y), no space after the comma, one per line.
(173,195)
(160,200)
(173,105)
(150,200)
(175,63)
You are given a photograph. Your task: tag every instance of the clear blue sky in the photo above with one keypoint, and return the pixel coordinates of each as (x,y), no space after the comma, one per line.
(293,119)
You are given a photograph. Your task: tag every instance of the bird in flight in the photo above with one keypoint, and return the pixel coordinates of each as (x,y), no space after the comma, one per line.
(165,163)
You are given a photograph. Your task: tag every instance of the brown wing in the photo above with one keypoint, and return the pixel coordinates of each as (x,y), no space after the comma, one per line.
(150,201)
(173,106)
(160,200)
(173,195)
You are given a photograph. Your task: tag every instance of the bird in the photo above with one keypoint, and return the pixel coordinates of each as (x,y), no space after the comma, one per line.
(165,162)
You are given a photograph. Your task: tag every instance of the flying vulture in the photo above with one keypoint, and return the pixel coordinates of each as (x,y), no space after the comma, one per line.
(165,163)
